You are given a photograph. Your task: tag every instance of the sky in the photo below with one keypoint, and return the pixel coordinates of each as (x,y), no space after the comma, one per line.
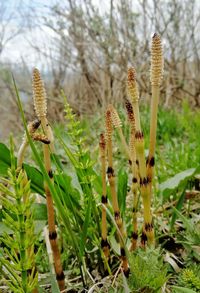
(13,20)
(19,49)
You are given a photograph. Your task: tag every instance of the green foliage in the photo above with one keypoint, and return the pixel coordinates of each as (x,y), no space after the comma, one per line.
(176,181)
(33,173)
(190,278)
(83,165)
(18,252)
(177,289)
(190,238)
(148,273)
(122,190)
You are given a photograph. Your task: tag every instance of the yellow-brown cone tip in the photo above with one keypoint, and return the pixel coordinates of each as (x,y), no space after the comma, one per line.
(39,95)
(131,74)
(156,71)
(115,117)
(132,85)
(108,125)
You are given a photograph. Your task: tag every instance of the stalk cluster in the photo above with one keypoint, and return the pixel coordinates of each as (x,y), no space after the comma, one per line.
(142,168)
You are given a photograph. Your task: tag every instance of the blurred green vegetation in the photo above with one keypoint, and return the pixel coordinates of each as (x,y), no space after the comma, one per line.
(178,142)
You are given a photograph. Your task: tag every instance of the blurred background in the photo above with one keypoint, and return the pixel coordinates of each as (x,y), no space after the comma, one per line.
(85,47)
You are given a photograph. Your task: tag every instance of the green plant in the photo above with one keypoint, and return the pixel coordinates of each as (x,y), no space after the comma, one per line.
(18,253)
(190,239)
(190,278)
(88,182)
(148,272)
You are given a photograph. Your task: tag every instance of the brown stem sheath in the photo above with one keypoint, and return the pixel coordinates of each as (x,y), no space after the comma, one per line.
(40,105)
(135,178)
(144,187)
(50,209)
(111,179)
(140,154)
(104,242)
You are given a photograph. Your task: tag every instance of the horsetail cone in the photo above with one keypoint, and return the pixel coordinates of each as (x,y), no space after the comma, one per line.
(108,125)
(132,84)
(40,106)
(115,117)
(116,122)
(134,95)
(39,95)
(130,113)
(157,63)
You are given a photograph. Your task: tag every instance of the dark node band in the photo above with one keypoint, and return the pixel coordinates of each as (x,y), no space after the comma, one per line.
(45,141)
(36,124)
(134,180)
(134,235)
(52,235)
(110,171)
(143,238)
(127,273)
(60,277)
(152,162)
(144,181)
(139,135)
(104,243)
(122,251)
(128,106)
(117,214)
(50,174)
(104,199)
(148,227)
